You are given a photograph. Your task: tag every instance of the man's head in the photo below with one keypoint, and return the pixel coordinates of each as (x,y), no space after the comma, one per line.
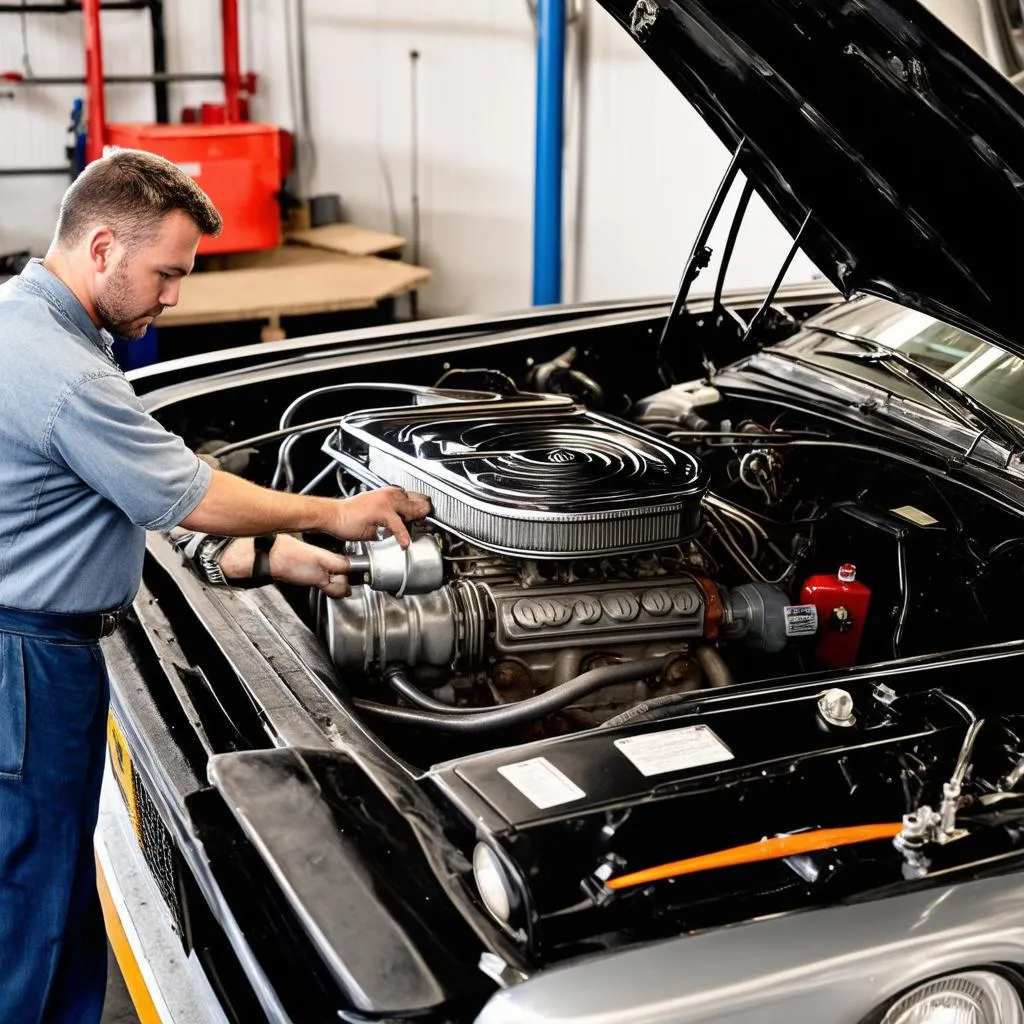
(127,234)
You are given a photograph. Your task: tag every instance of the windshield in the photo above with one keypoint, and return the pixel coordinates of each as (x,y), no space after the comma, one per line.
(987,373)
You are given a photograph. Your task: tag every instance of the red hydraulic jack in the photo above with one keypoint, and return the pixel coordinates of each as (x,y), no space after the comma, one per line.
(237,163)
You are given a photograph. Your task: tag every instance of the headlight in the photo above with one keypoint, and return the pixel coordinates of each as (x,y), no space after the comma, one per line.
(492,882)
(974,997)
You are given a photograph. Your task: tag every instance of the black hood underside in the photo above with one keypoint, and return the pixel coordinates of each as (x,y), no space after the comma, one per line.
(904,145)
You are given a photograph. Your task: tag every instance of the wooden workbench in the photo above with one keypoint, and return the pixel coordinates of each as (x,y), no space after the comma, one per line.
(327,270)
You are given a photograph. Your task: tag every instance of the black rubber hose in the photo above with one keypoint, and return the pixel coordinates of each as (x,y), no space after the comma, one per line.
(401,684)
(649,710)
(716,673)
(903,576)
(523,712)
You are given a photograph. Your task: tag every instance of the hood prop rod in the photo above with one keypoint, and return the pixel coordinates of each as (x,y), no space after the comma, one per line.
(756,319)
(700,256)
(730,242)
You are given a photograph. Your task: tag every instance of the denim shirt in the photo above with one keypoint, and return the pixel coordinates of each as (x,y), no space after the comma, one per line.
(84,470)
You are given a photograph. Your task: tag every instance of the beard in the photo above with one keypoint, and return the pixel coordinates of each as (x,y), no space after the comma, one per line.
(118,310)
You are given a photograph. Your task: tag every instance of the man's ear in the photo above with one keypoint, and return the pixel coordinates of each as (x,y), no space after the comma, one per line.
(101,247)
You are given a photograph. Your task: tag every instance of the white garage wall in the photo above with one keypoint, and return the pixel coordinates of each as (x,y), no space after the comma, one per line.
(33,119)
(651,167)
(649,164)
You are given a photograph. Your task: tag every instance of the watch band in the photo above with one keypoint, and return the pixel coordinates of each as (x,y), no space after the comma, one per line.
(208,555)
(261,561)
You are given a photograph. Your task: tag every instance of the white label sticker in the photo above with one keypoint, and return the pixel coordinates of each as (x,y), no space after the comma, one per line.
(915,515)
(541,782)
(193,170)
(801,619)
(674,749)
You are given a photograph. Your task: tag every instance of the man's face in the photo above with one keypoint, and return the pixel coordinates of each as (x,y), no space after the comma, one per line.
(139,283)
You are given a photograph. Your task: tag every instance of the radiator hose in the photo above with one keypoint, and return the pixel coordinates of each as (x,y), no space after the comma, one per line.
(716,673)
(521,713)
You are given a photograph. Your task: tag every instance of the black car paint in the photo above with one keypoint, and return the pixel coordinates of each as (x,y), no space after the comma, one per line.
(175,718)
(902,144)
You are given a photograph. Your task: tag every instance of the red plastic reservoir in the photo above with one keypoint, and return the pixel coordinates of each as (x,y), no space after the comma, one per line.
(842,602)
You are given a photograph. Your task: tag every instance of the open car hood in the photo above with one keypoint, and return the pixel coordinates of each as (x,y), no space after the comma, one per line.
(906,147)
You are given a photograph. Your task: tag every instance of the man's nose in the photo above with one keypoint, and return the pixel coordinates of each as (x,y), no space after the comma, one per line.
(169,293)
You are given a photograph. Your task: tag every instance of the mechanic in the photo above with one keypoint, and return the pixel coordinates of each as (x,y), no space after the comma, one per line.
(84,472)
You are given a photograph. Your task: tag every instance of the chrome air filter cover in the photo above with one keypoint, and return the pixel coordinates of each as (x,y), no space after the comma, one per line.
(530,475)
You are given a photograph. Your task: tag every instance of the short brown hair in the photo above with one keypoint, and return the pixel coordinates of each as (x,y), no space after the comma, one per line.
(132,191)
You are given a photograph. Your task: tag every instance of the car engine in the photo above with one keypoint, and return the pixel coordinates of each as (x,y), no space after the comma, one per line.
(558,542)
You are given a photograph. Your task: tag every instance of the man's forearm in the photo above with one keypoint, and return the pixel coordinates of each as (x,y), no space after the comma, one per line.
(237,508)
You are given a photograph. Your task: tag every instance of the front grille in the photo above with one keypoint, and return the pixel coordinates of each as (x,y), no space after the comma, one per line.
(159,851)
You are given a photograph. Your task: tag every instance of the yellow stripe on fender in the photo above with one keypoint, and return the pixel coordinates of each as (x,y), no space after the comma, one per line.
(121,763)
(137,988)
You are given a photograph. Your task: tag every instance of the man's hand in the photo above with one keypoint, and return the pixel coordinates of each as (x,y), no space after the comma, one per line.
(291,561)
(235,507)
(359,517)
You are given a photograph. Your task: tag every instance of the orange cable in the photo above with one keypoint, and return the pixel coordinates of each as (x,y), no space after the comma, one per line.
(766,849)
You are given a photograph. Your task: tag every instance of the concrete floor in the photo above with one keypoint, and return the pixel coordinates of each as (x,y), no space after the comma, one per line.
(117,1008)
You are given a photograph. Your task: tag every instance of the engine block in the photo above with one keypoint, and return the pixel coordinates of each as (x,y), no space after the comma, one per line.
(467,622)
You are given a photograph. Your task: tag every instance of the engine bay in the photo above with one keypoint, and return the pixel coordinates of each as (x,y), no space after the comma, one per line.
(565,541)
(708,609)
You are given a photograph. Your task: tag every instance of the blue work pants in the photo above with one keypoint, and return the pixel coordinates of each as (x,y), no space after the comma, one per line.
(53,708)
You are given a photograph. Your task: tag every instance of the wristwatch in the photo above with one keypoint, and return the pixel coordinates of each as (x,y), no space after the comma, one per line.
(208,557)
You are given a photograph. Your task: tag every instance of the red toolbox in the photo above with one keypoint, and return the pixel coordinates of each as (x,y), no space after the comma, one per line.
(237,165)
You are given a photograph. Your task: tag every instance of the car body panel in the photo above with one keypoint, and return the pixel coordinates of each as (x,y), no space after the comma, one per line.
(904,147)
(836,964)
(336,875)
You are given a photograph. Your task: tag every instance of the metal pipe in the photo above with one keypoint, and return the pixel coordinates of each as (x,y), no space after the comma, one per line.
(322,475)
(966,749)
(700,256)
(232,71)
(302,72)
(777,283)
(69,8)
(140,79)
(19,172)
(903,578)
(414,171)
(161,101)
(276,435)
(96,110)
(730,242)
(713,665)
(547,208)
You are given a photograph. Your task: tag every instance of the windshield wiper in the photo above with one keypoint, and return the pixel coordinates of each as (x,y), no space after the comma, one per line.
(952,399)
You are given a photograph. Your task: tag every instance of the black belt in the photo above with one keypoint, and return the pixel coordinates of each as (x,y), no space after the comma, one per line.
(105,622)
(58,625)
